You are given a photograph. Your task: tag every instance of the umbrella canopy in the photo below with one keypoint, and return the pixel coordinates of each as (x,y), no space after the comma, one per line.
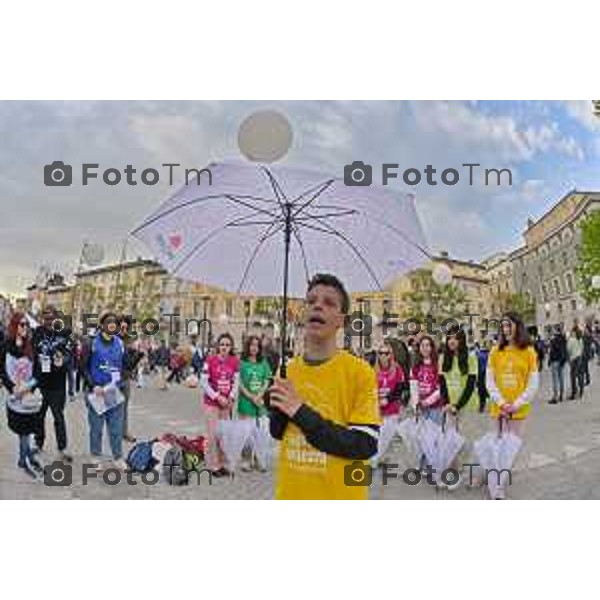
(497,451)
(232,233)
(428,436)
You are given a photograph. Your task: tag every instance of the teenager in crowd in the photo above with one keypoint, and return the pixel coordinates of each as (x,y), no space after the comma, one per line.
(219,383)
(255,375)
(458,379)
(103,368)
(52,345)
(557,359)
(326,412)
(483,354)
(588,354)
(131,361)
(424,380)
(392,388)
(513,381)
(575,353)
(23,405)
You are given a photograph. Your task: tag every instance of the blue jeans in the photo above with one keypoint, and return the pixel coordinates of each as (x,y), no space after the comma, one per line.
(558,380)
(114,423)
(24,449)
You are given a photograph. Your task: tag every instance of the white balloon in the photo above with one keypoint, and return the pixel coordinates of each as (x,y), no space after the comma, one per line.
(442,274)
(93,254)
(265,136)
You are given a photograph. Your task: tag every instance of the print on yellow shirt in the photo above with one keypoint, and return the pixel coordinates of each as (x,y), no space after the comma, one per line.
(512,368)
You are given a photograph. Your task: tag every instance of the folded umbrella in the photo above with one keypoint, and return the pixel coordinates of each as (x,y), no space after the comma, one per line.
(233,435)
(449,444)
(495,453)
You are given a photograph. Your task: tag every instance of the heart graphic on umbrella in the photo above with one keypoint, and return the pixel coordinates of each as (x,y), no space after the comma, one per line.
(175,241)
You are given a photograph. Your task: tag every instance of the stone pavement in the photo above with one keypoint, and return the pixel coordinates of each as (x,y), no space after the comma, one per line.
(560,458)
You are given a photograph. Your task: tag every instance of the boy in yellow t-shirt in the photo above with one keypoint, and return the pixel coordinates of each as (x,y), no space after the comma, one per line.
(326,412)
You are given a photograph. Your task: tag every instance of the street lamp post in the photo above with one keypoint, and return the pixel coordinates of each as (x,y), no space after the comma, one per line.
(246,316)
(384,319)
(205,300)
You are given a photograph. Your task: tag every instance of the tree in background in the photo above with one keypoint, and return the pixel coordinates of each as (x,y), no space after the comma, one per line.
(430,298)
(589,258)
(518,303)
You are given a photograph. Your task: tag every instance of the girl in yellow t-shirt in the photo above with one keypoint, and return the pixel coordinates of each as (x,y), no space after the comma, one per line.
(512,377)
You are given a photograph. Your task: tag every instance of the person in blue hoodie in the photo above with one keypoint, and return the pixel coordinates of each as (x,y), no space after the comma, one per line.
(103,367)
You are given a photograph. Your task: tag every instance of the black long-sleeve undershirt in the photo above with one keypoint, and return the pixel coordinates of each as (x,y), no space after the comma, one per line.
(328,436)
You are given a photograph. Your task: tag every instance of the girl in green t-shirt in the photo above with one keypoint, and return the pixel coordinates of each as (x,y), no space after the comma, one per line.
(255,375)
(254,379)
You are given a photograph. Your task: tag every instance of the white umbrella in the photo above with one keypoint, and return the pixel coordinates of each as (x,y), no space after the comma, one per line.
(449,444)
(387,431)
(496,452)
(268,230)
(428,436)
(262,443)
(408,429)
(233,435)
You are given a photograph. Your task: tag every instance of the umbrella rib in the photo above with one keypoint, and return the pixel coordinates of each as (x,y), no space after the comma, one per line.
(204,240)
(296,233)
(279,194)
(319,189)
(188,203)
(266,235)
(354,249)
(341,213)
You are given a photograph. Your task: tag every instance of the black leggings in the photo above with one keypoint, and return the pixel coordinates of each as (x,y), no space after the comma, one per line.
(55,400)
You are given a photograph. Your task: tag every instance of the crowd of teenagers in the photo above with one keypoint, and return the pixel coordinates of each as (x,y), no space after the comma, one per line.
(328,411)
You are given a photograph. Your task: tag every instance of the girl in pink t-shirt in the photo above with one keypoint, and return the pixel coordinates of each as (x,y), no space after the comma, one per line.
(425,381)
(219,383)
(391,386)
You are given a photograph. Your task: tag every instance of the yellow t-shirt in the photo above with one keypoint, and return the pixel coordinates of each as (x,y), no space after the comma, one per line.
(343,390)
(512,368)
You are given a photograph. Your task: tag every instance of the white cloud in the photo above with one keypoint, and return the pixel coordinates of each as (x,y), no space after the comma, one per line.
(582,111)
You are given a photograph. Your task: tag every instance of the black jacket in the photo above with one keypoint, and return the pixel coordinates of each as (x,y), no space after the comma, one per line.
(55,347)
(558,349)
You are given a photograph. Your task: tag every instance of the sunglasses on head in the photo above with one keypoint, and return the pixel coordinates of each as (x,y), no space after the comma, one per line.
(23,323)
(384,353)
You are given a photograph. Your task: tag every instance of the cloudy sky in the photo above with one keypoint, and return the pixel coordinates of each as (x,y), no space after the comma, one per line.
(551,148)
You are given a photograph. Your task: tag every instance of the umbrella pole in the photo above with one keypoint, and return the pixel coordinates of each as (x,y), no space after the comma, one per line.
(286,266)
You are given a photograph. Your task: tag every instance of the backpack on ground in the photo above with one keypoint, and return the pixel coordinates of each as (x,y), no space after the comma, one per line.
(173,471)
(140,458)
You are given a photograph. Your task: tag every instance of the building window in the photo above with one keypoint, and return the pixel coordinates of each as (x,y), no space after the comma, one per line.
(565,257)
(545,292)
(574,305)
(556,287)
(552,266)
(569,282)
(560,308)
(229,307)
(541,270)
